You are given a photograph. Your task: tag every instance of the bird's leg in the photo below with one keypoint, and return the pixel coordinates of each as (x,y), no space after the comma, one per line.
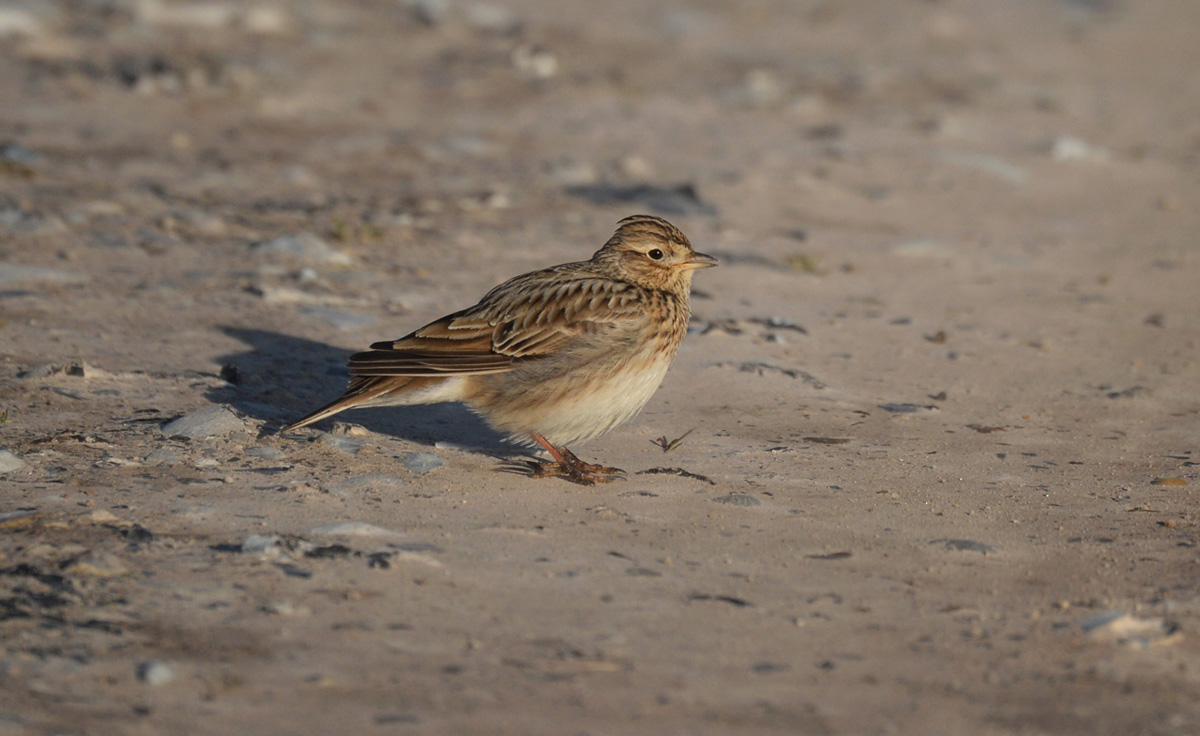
(567,466)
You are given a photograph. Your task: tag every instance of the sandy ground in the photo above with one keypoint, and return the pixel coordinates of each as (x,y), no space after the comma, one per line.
(940,399)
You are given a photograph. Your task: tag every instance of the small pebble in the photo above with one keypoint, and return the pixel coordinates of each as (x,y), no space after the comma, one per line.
(994,165)
(966,545)
(572,173)
(9,462)
(1068,148)
(16,21)
(534,62)
(266,452)
(15,153)
(260,543)
(198,15)
(79,370)
(96,565)
(266,20)
(493,18)
(761,88)
(155,673)
(9,516)
(738,499)
(285,608)
(302,246)
(162,456)
(354,529)
(420,559)
(429,12)
(13,273)
(34,224)
(422,462)
(341,444)
(338,318)
(1123,628)
(215,421)
(364,483)
(922,249)
(908,408)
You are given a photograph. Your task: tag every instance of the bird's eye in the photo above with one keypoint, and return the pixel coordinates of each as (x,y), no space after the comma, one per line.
(656,254)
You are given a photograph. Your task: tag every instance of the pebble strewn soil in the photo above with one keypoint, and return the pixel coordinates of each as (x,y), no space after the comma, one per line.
(927,463)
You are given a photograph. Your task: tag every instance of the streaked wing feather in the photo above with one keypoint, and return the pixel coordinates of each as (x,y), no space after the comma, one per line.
(528,317)
(404,363)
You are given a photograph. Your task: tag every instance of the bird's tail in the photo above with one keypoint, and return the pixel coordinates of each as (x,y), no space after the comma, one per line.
(362,391)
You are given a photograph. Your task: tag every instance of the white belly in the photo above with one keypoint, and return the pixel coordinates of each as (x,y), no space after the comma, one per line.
(594,410)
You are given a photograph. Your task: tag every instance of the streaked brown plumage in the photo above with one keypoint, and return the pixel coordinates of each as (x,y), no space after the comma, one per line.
(557,356)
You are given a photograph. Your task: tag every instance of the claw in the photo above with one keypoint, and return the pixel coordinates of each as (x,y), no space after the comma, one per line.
(584,474)
(567,466)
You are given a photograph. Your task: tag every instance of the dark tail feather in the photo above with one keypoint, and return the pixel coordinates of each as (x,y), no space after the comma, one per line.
(362,390)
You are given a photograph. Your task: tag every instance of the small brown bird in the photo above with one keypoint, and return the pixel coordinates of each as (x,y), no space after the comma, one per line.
(557,356)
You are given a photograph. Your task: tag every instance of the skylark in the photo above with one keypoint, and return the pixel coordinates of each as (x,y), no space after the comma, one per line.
(553,357)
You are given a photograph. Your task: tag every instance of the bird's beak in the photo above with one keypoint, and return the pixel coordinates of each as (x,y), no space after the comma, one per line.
(700,260)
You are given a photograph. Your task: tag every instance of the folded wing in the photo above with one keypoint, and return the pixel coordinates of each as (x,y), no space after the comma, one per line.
(523,319)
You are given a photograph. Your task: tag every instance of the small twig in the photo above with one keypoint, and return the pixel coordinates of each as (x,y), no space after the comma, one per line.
(677,471)
(668,445)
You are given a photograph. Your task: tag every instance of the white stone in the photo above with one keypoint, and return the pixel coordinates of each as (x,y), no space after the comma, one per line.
(211,422)
(9,462)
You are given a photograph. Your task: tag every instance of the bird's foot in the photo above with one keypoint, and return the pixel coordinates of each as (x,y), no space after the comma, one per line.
(568,467)
(585,474)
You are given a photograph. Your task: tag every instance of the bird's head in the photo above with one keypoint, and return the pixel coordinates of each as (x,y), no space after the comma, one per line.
(652,253)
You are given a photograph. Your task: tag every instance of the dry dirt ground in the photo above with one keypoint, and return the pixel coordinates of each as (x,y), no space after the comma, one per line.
(940,400)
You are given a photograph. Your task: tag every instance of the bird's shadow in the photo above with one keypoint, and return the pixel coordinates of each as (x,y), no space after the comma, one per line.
(278,378)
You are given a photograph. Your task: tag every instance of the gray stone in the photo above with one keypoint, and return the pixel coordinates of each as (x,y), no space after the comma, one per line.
(922,249)
(966,545)
(1119,627)
(96,565)
(361,483)
(534,62)
(10,515)
(16,21)
(301,246)
(15,153)
(266,452)
(994,165)
(162,456)
(155,673)
(341,444)
(422,462)
(78,370)
(429,12)
(354,529)
(738,499)
(215,421)
(1069,148)
(197,15)
(285,608)
(24,223)
(493,18)
(572,173)
(899,408)
(9,462)
(260,543)
(15,273)
(338,318)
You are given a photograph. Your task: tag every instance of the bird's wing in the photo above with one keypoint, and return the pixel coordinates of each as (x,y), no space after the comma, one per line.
(527,317)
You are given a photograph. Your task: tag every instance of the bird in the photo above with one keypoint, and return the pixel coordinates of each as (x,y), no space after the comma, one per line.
(554,357)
